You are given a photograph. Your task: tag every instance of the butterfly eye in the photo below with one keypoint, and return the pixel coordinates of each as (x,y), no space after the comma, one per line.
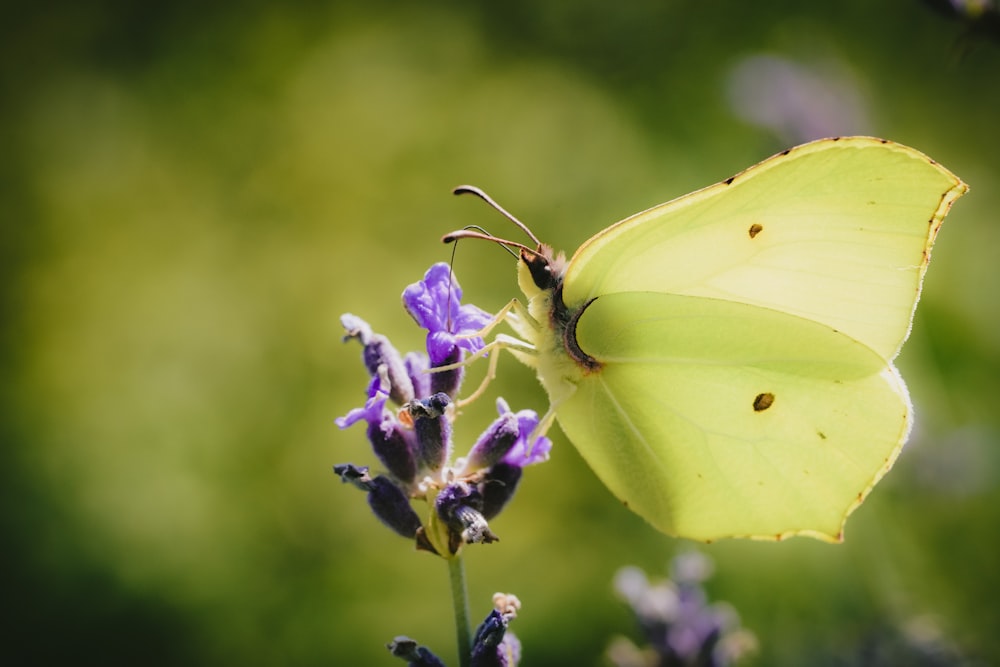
(763,401)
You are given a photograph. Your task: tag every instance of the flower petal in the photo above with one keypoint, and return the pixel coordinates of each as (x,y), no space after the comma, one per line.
(524,453)
(435,303)
(372,410)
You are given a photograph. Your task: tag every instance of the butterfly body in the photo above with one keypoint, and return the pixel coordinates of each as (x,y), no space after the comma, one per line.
(724,361)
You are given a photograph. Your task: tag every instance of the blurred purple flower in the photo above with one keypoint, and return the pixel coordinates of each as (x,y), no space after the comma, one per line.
(492,646)
(677,621)
(798,102)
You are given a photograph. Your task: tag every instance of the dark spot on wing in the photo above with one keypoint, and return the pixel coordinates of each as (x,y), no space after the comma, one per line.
(822,436)
(729,181)
(755,229)
(763,401)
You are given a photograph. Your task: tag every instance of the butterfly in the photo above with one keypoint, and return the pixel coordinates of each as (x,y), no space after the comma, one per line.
(724,361)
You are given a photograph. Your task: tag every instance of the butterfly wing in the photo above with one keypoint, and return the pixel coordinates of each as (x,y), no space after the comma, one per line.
(712,419)
(838,231)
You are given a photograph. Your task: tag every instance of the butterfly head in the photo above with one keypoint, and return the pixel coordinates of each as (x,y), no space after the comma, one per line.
(540,270)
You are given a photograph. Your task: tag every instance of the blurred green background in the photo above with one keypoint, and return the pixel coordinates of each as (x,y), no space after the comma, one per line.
(193,193)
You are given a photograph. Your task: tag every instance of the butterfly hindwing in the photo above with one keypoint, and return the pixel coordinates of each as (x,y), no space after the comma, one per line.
(711,418)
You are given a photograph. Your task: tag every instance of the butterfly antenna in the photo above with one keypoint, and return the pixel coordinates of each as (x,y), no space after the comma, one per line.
(468,233)
(454,250)
(451,283)
(485,234)
(473,190)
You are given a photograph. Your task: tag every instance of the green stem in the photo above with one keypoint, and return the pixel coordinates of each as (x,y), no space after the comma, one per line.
(459,600)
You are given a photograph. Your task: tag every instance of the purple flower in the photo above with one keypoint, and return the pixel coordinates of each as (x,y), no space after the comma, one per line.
(494,645)
(498,487)
(412,438)
(374,407)
(378,352)
(432,427)
(387,501)
(414,654)
(525,453)
(394,445)
(459,506)
(416,367)
(506,441)
(390,504)
(435,303)
(678,621)
(494,444)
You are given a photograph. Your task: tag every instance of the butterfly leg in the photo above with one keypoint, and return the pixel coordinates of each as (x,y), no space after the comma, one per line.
(501,342)
(516,315)
(513,313)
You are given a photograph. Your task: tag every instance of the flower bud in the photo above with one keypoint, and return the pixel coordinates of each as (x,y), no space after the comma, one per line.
(498,487)
(379,351)
(459,505)
(493,646)
(433,430)
(447,382)
(414,654)
(494,444)
(395,447)
(352,474)
(416,367)
(392,507)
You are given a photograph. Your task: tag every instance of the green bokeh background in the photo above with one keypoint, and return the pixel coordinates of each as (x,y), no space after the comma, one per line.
(191,196)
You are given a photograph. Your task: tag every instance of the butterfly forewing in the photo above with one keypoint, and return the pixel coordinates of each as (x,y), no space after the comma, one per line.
(836,231)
